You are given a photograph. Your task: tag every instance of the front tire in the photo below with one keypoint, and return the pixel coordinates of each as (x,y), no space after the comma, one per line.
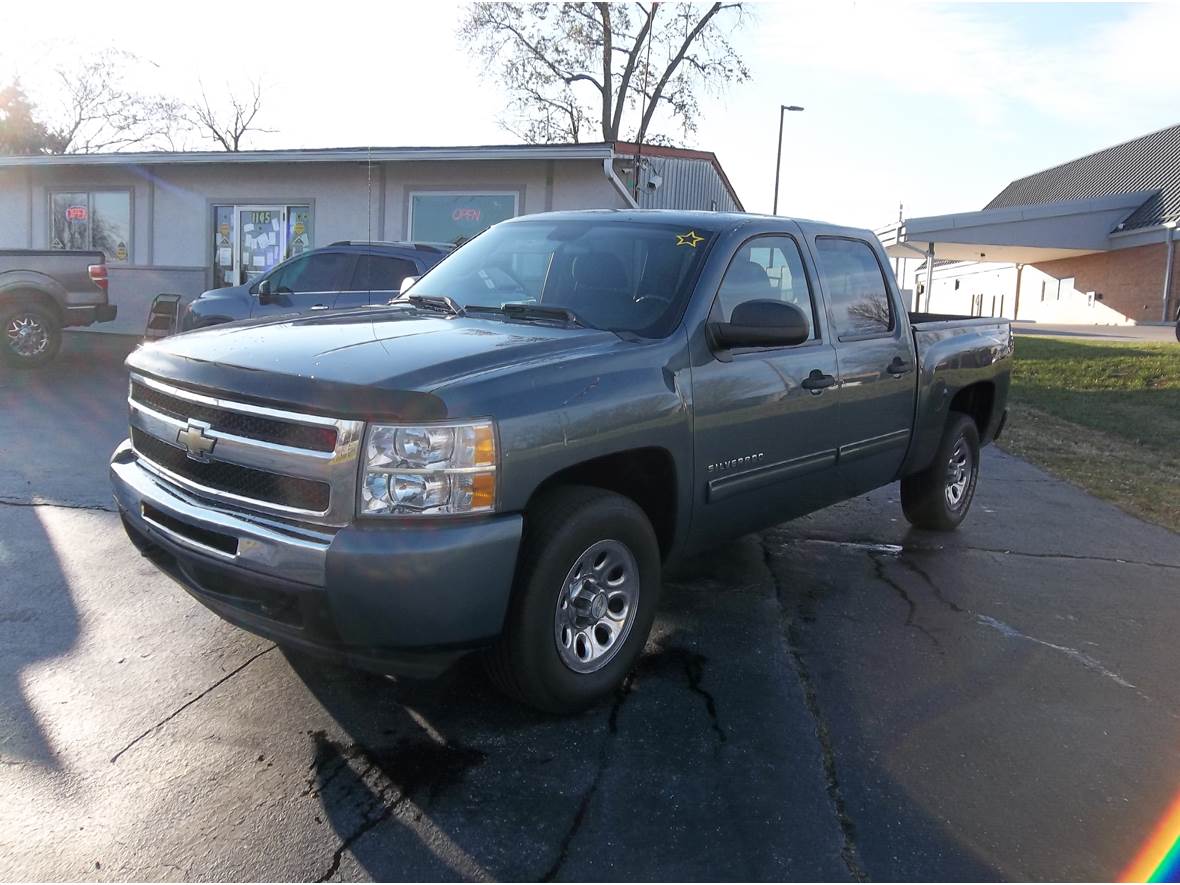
(587,585)
(939,497)
(30,335)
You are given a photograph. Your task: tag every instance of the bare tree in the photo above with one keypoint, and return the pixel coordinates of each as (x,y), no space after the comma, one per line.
(101,112)
(229,125)
(568,64)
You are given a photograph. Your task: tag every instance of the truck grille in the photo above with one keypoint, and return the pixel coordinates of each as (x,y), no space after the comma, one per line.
(259,485)
(270,460)
(315,439)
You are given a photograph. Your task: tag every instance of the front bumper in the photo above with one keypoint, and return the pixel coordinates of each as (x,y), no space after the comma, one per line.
(388,596)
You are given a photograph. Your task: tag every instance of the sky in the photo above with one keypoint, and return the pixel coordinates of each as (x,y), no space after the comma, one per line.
(933,106)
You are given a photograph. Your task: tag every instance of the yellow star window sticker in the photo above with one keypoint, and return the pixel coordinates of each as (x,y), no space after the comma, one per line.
(689,239)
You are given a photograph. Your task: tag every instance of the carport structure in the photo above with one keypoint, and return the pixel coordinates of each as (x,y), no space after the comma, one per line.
(1023,235)
(1107,219)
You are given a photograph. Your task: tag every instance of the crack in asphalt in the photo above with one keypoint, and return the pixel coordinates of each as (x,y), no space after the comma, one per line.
(228,676)
(792,634)
(909,563)
(21,502)
(404,769)
(912,608)
(693,664)
(604,758)
(1006,630)
(1081,657)
(880,547)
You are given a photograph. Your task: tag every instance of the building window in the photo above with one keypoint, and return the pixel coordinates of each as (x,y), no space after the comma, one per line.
(455,217)
(92,220)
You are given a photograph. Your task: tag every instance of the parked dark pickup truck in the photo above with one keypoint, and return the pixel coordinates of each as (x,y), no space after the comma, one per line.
(41,292)
(506,458)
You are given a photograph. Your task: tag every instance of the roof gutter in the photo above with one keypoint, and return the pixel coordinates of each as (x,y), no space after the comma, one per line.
(608,169)
(316,155)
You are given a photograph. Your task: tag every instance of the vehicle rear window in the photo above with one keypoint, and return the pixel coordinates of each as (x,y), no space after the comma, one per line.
(858,300)
(618,275)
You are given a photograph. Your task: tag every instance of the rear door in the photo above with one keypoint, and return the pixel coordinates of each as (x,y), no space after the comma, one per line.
(877,374)
(764,445)
(375,279)
(309,282)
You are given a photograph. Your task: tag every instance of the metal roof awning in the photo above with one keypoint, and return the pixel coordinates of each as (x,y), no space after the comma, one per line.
(1017,234)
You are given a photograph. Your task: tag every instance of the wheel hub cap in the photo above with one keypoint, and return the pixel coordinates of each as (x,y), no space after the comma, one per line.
(26,336)
(958,473)
(596,607)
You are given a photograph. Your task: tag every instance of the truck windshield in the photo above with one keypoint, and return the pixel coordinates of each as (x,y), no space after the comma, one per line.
(617,275)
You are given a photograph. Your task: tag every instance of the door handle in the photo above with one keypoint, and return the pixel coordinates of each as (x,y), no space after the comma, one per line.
(898,367)
(318,307)
(817,382)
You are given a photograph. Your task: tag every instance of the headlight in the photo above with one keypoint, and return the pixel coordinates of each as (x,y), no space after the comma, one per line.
(429,469)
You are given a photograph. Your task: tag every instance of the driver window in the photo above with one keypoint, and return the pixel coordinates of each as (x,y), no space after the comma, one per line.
(767,269)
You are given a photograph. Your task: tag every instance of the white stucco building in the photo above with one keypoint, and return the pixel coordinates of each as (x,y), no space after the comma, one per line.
(186,222)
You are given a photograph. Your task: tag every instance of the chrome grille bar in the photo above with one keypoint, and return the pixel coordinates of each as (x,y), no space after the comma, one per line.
(337,468)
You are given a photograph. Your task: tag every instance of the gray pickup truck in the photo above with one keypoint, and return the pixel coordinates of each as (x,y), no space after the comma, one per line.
(504,458)
(43,291)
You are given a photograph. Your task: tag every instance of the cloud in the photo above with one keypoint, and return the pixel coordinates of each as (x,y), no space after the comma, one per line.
(1067,62)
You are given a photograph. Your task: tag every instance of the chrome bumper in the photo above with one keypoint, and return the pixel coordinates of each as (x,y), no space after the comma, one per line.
(265,546)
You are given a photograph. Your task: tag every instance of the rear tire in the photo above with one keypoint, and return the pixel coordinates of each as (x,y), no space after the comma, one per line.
(30,335)
(939,497)
(587,585)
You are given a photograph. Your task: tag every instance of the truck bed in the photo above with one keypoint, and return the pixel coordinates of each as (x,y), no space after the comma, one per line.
(956,352)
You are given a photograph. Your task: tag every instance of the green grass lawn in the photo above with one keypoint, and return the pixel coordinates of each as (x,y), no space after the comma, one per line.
(1105,416)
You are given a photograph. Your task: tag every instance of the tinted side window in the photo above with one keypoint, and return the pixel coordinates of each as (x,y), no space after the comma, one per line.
(857,296)
(321,272)
(766,268)
(381,272)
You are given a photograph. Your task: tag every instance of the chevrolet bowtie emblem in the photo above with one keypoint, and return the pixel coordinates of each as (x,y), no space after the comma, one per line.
(194,440)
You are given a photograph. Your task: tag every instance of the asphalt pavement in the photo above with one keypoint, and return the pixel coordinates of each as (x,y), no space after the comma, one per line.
(837,698)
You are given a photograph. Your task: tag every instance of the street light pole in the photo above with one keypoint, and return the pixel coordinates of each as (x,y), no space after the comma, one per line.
(778,160)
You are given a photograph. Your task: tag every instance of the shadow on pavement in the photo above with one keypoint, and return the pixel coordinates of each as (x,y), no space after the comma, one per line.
(38,621)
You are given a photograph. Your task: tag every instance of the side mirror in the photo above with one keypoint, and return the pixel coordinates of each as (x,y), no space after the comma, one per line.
(406,283)
(761,324)
(264,292)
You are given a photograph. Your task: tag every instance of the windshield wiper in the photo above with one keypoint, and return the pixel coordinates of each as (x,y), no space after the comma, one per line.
(521,311)
(444,303)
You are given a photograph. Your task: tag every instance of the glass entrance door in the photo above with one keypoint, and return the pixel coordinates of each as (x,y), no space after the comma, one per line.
(262,240)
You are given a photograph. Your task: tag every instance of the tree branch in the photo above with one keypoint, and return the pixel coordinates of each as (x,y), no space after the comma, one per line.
(629,69)
(671,69)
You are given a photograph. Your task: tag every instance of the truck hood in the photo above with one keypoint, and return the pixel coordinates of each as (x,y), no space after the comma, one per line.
(368,363)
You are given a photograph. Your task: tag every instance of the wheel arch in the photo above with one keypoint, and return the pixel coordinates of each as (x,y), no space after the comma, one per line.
(645,475)
(25,294)
(977,401)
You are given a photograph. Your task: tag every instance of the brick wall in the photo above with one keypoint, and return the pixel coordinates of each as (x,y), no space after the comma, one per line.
(1131,281)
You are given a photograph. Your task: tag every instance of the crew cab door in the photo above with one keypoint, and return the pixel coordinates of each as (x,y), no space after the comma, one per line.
(309,282)
(375,280)
(875,353)
(765,419)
